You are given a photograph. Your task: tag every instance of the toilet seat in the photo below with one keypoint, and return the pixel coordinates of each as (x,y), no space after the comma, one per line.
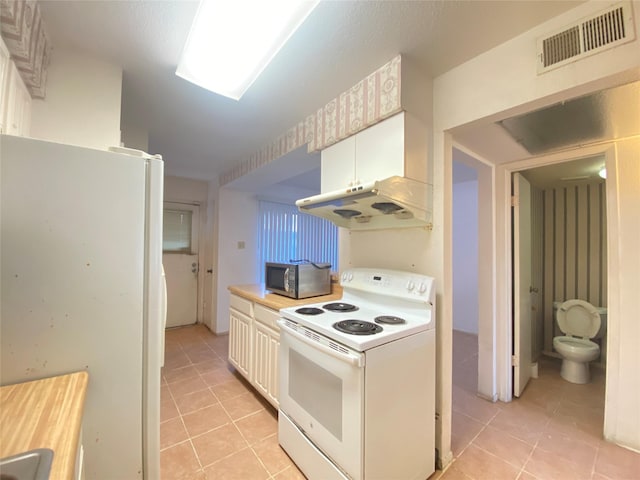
(577,318)
(574,345)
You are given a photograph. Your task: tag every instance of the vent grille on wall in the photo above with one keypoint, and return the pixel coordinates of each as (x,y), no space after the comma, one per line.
(608,29)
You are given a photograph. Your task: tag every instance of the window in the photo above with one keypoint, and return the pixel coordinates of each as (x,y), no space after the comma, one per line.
(286,234)
(180,228)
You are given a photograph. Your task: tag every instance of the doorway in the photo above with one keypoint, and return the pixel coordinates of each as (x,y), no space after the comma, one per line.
(473,338)
(465,275)
(180,260)
(473,259)
(566,259)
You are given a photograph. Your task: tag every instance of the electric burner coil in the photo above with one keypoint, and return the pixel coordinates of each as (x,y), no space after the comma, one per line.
(357,327)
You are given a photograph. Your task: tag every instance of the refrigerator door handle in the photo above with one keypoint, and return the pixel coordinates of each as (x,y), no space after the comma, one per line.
(163,314)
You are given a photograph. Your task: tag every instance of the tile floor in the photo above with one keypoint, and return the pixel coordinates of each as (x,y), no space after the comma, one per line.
(553,431)
(214,426)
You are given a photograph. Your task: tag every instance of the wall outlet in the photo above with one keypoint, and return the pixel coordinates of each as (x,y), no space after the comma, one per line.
(241,245)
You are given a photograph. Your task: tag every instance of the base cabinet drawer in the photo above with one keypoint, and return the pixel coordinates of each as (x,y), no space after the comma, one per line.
(242,305)
(266,316)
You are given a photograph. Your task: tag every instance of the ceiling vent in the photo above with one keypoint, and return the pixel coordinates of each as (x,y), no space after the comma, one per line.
(607,29)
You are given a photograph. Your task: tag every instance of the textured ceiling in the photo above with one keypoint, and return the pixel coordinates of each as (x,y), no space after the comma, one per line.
(201,134)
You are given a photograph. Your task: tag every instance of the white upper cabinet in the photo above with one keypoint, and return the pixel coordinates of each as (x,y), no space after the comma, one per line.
(18,113)
(4,75)
(15,100)
(380,151)
(338,165)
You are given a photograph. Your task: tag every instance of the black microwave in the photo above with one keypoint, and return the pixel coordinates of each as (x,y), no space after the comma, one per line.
(298,279)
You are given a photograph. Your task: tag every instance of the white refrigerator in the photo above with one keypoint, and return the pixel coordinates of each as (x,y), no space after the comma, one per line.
(82,289)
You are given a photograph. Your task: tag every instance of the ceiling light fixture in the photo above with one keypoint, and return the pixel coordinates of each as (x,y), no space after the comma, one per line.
(603,172)
(231,42)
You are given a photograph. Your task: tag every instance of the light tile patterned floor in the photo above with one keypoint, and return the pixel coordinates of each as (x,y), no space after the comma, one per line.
(554,431)
(214,426)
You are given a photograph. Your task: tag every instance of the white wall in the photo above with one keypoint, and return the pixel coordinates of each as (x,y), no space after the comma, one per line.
(465,256)
(497,84)
(82,104)
(237,221)
(504,79)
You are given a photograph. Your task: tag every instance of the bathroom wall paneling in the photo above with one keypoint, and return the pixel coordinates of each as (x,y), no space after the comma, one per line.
(574,249)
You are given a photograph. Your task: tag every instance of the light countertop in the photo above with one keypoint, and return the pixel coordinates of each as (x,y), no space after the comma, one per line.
(258,294)
(44,413)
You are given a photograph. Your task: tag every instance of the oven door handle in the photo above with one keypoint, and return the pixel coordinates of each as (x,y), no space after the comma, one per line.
(347,357)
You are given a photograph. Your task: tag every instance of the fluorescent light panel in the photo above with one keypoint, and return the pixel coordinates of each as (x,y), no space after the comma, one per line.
(232,41)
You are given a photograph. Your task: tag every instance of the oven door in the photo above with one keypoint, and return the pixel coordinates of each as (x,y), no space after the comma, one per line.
(321,390)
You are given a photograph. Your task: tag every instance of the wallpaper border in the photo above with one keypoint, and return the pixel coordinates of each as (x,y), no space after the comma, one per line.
(372,99)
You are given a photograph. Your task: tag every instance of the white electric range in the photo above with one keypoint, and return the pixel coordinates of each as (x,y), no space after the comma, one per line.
(357,379)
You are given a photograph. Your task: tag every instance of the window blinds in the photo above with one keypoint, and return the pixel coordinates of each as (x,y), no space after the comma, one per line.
(286,234)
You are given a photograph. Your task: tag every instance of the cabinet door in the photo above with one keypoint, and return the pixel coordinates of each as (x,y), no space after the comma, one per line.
(18,104)
(380,150)
(265,364)
(338,165)
(4,77)
(240,343)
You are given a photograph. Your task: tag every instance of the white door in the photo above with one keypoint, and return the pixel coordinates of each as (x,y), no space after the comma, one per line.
(521,283)
(180,261)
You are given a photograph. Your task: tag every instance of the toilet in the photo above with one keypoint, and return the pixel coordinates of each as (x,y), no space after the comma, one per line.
(580,322)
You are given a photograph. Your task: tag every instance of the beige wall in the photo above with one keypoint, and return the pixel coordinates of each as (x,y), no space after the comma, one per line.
(236,222)
(82,104)
(134,136)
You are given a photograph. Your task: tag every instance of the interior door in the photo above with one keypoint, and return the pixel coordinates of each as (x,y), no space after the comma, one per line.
(181,263)
(521,283)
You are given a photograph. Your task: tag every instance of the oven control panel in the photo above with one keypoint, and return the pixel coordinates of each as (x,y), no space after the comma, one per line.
(393,283)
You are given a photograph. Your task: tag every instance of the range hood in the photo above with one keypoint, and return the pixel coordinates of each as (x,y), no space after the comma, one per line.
(395,202)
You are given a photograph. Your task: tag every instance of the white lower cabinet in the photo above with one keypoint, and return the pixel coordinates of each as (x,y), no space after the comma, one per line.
(254,338)
(240,342)
(265,362)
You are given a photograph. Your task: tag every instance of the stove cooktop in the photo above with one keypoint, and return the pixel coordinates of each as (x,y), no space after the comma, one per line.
(377,307)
